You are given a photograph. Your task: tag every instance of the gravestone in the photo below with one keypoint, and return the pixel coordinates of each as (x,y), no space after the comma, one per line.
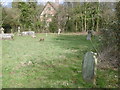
(19,31)
(7,36)
(89,67)
(59,31)
(30,33)
(89,35)
(2,30)
(24,33)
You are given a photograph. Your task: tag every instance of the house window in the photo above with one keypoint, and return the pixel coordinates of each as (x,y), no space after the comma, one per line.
(49,15)
(49,8)
(44,15)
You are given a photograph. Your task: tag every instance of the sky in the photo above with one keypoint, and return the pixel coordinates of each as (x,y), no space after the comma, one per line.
(8,2)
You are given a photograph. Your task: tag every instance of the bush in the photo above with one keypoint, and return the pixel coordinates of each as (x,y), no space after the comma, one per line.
(70,27)
(110,39)
(53,26)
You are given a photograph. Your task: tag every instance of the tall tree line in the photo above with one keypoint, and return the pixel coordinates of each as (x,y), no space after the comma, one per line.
(77,17)
(23,14)
(71,17)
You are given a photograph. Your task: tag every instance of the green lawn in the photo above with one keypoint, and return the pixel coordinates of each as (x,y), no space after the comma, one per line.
(55,62)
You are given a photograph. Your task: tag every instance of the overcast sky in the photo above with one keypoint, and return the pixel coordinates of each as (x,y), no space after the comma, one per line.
(37,0)
(8,2)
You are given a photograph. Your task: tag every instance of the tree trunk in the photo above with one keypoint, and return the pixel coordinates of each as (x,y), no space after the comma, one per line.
(85,25)
(82,23)
(76,27)
(97,23)
(93,23)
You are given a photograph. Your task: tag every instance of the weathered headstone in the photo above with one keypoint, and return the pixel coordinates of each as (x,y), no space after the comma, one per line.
(31,33)
(19,31)
(26,33)
(59,31)
(7,36)
(89,67)
(2,30)
(89,35)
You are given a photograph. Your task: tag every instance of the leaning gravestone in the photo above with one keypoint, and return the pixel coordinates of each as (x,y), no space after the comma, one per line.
(89,67)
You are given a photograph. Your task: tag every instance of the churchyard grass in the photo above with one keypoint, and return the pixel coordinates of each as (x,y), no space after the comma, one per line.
(55,62)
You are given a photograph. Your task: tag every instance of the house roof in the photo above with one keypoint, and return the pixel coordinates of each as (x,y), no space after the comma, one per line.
(54,5)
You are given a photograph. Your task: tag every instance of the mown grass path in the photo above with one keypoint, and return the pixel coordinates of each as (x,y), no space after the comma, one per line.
(55,62)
